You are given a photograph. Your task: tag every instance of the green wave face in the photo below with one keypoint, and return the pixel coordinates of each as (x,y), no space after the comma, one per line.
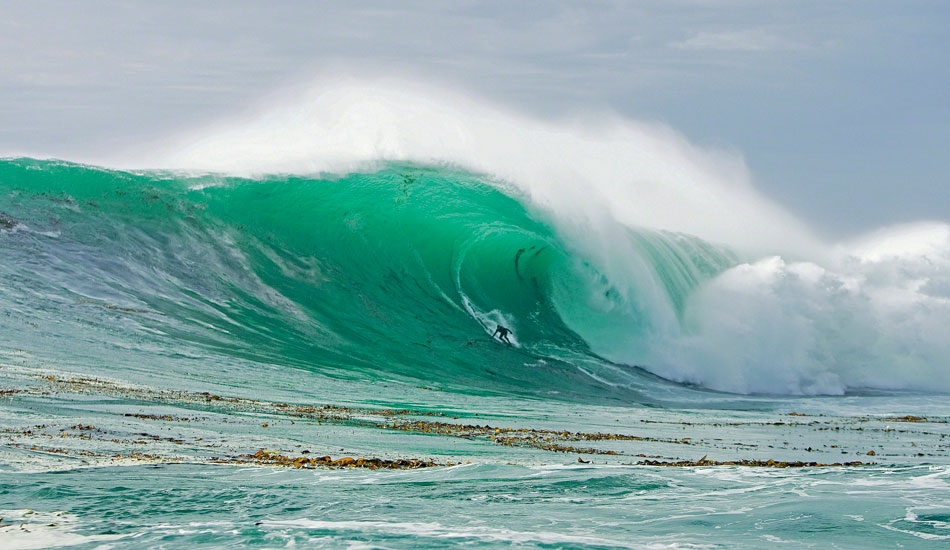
(401,272)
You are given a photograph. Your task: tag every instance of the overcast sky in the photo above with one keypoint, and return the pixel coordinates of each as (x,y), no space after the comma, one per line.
(841,109)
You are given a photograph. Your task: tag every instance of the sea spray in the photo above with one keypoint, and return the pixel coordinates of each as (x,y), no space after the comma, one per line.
(591,172)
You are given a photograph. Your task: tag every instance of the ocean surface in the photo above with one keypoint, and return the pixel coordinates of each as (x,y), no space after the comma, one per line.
(176,346)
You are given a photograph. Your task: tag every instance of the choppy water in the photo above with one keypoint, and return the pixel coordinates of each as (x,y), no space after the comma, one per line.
(130,294)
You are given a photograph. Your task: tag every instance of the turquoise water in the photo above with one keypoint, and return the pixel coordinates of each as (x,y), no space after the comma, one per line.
(135,292)
(491,506)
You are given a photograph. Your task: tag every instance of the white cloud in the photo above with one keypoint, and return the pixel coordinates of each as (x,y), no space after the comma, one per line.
(746,40)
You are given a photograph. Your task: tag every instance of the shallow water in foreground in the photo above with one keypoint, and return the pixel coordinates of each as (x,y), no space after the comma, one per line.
(103,462)
(492,505)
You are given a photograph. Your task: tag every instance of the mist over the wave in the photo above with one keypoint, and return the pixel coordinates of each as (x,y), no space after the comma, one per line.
(593,169)
(795,315)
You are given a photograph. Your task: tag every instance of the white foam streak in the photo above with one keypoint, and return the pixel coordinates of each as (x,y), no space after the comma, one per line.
(433,530)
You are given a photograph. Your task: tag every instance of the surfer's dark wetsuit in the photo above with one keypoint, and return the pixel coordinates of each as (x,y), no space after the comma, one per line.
(502,333)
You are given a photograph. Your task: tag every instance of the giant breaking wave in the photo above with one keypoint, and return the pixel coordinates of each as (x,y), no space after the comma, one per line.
(361,229)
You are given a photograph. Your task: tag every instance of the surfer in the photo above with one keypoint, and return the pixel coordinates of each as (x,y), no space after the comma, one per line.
(502,333)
